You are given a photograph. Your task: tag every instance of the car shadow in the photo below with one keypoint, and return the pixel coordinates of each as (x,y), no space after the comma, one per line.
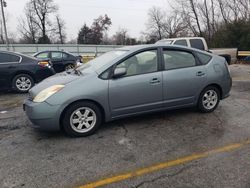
(149,117)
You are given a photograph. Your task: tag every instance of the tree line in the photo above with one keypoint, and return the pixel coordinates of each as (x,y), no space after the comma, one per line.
(222,23)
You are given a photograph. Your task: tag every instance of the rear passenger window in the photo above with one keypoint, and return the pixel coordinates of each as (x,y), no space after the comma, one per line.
(174,59)
(8,58)
(204,58)
(65,56)
(197,43)
(181,42)
(56,55)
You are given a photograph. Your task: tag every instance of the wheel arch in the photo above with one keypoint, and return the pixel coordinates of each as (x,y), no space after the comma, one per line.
(23,72)
(217,86)
(82,100)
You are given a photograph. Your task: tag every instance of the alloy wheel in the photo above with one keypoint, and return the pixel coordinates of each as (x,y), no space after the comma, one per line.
(210,99)
(83,120)
(23,83)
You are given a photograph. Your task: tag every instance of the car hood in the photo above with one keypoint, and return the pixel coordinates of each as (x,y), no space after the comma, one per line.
(59,79)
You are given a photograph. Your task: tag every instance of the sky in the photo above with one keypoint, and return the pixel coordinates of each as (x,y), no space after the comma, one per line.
(129,14)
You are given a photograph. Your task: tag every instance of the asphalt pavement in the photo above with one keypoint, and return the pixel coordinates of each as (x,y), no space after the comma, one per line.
(154,150)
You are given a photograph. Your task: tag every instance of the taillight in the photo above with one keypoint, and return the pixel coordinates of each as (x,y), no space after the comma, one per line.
(44,64)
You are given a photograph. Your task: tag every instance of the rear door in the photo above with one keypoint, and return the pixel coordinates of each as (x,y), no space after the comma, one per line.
(8,65)
(57,60)
(183,77)
(69,59)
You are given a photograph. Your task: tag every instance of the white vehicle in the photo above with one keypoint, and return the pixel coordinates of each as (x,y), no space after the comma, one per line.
(230,54)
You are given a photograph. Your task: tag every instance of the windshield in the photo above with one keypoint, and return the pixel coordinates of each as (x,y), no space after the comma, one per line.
(102,60)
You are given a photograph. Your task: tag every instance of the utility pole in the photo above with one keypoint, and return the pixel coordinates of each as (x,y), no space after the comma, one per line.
(3,4)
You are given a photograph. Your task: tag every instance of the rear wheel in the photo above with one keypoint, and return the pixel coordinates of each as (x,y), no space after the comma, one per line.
(22,83)
(209,99)
(82,119)
(68,67)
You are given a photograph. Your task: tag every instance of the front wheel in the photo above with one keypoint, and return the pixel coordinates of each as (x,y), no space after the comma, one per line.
(209,99)
(82,119)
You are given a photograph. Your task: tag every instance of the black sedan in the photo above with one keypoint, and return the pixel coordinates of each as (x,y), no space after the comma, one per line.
(61,61)
(20,72)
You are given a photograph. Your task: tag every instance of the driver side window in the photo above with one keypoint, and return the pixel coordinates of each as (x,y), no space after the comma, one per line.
(141,63)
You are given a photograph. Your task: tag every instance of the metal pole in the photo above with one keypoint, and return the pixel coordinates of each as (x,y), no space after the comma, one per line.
(4,25)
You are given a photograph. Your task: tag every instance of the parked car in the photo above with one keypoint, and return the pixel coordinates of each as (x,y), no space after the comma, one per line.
(126,82)
(20,72)
(230,54)
(62,61)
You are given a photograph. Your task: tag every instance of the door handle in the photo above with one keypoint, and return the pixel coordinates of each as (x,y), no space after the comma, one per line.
(200,73)
(155,81)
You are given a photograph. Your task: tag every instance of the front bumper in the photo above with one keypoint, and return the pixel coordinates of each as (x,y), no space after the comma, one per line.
(43,115)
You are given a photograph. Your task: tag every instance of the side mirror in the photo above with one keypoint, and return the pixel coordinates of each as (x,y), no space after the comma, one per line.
(119,72)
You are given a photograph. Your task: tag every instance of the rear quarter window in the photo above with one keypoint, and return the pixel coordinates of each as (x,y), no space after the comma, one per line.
(8,58)
(66,56)
(204,58)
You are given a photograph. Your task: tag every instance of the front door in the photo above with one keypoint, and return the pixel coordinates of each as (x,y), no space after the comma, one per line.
(140,89)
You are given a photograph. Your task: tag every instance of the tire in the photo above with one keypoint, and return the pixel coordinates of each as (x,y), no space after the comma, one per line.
(22,83)
(209,99)
(75,119)
(68,67)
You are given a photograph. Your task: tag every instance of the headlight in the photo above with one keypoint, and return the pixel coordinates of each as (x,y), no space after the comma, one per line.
(46,93)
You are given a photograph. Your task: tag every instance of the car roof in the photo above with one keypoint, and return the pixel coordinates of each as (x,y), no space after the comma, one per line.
(157,45)
(53,51)
(18,54)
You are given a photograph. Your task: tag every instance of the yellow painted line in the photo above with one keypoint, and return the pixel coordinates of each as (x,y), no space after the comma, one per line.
(164,165)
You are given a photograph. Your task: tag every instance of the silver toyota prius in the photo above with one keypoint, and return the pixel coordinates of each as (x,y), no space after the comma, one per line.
(126,82)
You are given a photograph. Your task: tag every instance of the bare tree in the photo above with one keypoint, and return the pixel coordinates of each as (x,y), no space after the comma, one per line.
(174,26)
(162,25)
(121,36)
(40,11)
(27,26)
(156,22)
(60,29)
(2,41)
(189,10)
